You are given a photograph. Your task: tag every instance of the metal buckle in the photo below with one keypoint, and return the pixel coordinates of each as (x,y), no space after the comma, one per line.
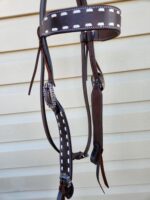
(79,155)
(99,81)
(66,184)
(49,95)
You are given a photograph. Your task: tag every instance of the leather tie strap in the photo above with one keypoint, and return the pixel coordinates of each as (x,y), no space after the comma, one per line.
(96,23)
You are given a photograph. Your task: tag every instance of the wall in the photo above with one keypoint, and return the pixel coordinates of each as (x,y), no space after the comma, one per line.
(28,165)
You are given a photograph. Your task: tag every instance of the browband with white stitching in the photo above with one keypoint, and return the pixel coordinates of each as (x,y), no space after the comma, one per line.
(86,18)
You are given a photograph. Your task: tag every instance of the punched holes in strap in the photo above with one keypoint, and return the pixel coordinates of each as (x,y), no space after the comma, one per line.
(105,19)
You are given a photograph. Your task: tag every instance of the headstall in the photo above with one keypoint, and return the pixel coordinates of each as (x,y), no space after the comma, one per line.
(96,23)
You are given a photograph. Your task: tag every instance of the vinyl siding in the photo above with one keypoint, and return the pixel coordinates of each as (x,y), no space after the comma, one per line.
(29,168)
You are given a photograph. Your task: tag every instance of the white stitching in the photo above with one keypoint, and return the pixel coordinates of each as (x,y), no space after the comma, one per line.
(111,10)
(118,25)
(45,18)
(82,28)
(89,10)
(66,137)
(111,24)
(83,8)
(88,24)
(53,15)
(54,29)
(101,9)
(100,24)
(118,12)
(61,114)
(76,26)
(46,31)
(76,11)
(63,13)
(65,27)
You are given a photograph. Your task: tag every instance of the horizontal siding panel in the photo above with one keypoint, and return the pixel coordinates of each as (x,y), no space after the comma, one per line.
(117,147)
(29,167)
(120,88)
(31,6)
(119,173)
(25,7)
(114,193)
(117,119)
(113,56)
(25,27)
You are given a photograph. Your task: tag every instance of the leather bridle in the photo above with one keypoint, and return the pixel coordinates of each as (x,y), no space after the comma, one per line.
(96,23)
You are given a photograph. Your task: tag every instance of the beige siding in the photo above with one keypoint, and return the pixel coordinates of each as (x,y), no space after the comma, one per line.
(29,167)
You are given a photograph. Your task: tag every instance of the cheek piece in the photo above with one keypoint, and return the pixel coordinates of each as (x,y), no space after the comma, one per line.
(95,23)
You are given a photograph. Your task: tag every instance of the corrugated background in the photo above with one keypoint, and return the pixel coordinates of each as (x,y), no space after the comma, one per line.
(29,167)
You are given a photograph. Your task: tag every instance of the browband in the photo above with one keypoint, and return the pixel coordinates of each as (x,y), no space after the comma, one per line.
(96,23)
(106,19)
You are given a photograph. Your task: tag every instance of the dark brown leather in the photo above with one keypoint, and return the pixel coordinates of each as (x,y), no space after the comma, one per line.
(106,19)
(96,23)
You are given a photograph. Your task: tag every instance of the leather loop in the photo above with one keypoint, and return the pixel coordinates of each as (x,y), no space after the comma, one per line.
(79,155)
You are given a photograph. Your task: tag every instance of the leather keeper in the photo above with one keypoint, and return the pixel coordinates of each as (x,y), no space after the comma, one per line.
(104,20)
(97,150)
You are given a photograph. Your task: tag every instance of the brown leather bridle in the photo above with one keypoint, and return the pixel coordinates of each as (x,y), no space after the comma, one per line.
(96,23)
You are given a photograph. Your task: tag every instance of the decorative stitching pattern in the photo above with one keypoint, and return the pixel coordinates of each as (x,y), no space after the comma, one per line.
(89,10)
(76,26)
(77,10)
(65,27)
(101,9)
(88,25)
(111,10)
(111,24)
(63,14)
(54,15)
(45,18)
(54,29)
(90,28)
(100,24)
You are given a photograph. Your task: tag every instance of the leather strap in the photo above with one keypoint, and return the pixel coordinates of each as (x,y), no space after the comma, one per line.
(84,52)
(106,19)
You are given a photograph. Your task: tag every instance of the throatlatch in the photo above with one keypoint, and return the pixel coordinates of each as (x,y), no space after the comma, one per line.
(96,23)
